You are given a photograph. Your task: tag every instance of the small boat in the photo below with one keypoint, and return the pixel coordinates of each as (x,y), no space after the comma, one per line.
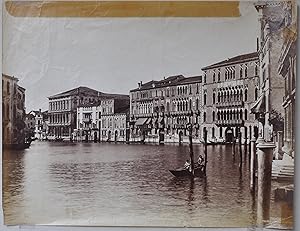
(198,171)
(58,139)
(20,146)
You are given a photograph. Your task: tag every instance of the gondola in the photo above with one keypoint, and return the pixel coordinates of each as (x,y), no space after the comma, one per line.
(198,171)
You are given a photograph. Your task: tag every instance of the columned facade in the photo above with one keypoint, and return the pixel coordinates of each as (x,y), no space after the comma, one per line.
(160,111)
(229,91)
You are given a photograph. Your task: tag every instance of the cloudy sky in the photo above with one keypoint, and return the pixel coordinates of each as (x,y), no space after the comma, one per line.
(50,55)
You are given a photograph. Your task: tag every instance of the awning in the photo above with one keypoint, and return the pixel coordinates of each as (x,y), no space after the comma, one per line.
(161,120)
(148,121)
(259,106)
(141,121)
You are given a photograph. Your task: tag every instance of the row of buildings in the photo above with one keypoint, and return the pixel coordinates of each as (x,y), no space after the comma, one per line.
(253,93)
(219,102)
(250,94)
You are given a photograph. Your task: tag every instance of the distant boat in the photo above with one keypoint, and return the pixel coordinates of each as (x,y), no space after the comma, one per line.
(198,171)
(16,146)
(58,139)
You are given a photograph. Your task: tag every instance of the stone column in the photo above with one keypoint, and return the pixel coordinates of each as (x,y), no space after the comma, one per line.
(253,161)
(279,143)
(264,170)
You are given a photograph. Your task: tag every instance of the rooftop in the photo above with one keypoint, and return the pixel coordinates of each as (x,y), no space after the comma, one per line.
(169,81)
(86,91)
(233,60)
(75,91)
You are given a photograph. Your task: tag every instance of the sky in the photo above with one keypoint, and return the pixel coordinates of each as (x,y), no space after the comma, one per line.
(51,55)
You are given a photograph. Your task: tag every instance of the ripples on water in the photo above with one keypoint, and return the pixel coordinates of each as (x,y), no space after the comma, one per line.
(125,185)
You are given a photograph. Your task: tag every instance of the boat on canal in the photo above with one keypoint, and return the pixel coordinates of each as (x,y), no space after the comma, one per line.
(194,170)
(182,172)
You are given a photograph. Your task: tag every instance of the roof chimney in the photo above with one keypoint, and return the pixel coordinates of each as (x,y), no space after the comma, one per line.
(140,84)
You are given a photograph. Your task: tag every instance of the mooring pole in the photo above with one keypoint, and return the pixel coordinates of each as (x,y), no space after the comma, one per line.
(205,149)
(253,164)
(240,149)
(264,172)
(245,145)
(191,152)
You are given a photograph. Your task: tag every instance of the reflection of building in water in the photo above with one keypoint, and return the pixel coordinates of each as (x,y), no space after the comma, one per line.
(230,89)
(106,120)
(13,111)
(161,110)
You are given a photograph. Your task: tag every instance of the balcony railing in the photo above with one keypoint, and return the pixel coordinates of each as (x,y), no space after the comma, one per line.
(237,122)
(230,104)
(87,120)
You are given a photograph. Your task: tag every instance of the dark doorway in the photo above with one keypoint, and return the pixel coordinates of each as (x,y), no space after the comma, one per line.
(161,137)
(109,136)
(180,137)
(229,136)
(95,137)
(116,136)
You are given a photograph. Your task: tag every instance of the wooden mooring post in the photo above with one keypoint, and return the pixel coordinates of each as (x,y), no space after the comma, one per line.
(240,149)
(191,152)
(205,150)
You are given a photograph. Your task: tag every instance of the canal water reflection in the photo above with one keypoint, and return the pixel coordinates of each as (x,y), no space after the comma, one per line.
(127,185)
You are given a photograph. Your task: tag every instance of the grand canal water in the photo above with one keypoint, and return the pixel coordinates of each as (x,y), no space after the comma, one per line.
(128,185)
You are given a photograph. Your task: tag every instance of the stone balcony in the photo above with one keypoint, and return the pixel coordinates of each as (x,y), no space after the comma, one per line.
(236,122)
(230,104)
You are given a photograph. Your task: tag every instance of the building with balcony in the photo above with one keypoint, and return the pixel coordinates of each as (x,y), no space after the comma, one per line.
(13,112)
(63,110)
(268,108)
(230,89)
(160,111)
(107,120)
(34,123)
(287,69)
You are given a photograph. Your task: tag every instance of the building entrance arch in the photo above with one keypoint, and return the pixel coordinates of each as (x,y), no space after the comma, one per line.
(180,137)
(229,136)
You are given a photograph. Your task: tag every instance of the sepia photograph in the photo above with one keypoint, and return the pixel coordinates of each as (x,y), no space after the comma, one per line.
(149,114)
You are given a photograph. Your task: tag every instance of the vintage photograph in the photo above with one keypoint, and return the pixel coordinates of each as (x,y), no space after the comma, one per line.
(138,117)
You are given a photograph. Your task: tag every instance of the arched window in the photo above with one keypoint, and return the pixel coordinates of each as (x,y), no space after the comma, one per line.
(197,104)
(220,131)
(241,114)
(218,115)
(246,95)
(190,89)
(214,98)
(204,99)
(191,105)
(168,106)
(246,114)
(213,116)
(204,116)
(7,111)
(214,77)
(241,73)
(255,93)
(213,132)
(8,88)
(219,76)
